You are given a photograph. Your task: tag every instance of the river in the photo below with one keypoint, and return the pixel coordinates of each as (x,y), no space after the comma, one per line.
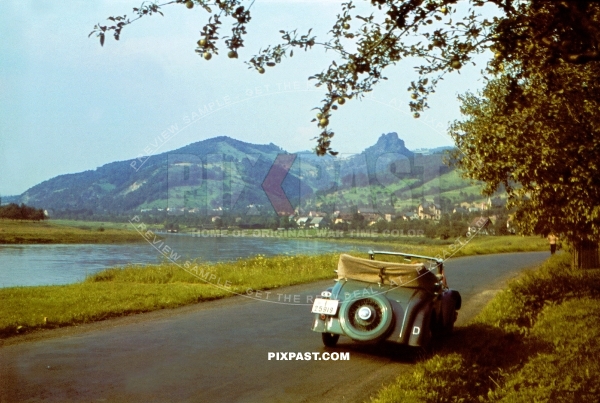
(29,265)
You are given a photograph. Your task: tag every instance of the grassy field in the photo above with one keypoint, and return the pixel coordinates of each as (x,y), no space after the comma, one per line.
(478,245)
(408,192)
(537,341)
(130,290)
(134,289)
(51,232)
(93,225)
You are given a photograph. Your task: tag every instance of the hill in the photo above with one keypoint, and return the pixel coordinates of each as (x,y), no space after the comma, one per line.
(223,175)
(132,185)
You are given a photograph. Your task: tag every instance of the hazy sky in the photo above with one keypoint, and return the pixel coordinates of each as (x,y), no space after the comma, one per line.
(68,105)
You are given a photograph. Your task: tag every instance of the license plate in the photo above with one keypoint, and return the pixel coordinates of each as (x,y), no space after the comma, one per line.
(325,306)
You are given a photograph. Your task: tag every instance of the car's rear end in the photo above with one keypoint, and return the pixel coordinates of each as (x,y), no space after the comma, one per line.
(377,300)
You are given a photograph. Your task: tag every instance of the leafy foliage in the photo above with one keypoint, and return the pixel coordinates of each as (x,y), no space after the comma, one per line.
(538,138)
(15,212)
(442,34)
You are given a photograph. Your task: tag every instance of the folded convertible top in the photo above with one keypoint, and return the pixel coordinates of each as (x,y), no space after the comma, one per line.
(375,271)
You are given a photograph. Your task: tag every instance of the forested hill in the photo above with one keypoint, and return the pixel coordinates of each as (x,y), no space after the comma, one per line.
(223,174)
(133,184)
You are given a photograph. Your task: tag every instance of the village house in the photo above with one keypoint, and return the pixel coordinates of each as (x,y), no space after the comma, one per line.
(316,214)
(342,218)
(316,222)
(410,215)
(371,215)
(371,219)
(302,221)
(496,202)
(460,210)
(429,211)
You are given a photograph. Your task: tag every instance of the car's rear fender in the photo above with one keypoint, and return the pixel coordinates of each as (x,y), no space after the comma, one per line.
(418,331)
(412,309)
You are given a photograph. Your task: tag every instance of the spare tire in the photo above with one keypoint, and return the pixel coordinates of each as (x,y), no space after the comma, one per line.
(366,319)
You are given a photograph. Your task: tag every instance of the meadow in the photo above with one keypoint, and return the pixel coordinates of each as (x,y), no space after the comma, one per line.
(478,245)
(135,289)
(64,232)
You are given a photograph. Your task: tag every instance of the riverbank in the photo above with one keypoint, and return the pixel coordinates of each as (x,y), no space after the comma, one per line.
(135,289)
(65,232)
(390,240)
(536,341)
(449,248)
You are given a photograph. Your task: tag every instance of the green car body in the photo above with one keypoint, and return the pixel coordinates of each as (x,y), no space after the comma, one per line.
(376,300)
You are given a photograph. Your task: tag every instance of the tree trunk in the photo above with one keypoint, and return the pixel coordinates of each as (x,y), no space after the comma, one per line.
(585,255)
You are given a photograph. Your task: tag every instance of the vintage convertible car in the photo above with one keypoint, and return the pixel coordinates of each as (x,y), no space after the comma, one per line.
(376,300)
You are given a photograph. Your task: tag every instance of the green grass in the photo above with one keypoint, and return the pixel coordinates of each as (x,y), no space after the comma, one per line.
(478,245)
(537,341)
(93,225)
(53,232)
(133,289)
(483,245)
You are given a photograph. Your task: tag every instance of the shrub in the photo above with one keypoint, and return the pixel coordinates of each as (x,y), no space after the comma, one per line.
(537,341)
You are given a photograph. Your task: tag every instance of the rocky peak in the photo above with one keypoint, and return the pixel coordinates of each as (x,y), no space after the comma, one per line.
(389,143)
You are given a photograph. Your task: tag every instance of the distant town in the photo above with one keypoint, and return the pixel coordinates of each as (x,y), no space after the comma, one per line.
(427,219)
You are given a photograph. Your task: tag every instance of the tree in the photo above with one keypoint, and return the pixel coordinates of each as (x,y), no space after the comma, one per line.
(381,225)
(15,212)
(442,34)
(539,138)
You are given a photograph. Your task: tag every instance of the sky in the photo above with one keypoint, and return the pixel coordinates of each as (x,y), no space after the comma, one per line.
(68,105)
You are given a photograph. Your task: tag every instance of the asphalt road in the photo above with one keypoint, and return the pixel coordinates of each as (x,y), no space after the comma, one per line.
(218,351)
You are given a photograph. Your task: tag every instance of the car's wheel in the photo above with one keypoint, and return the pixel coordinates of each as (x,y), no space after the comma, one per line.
(450,312)
(330,339)
(366,319)
(449,325)
(436,326)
